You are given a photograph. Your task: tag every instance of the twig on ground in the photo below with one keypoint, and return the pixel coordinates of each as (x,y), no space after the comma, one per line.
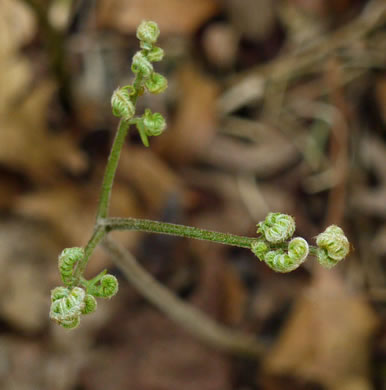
(191,319)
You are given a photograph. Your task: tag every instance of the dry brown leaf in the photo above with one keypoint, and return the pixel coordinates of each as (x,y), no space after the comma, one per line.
(253,19)
(28,252)
(15,72)
(196,119)
(72,209)
(172,16)
(155,181)
(327,336)
(220,42)
(17,26)
(27,146)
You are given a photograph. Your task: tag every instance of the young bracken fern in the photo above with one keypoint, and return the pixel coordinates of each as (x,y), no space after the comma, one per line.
(274,244)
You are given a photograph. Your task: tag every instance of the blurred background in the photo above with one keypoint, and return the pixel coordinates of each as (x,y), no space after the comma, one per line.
(271,106)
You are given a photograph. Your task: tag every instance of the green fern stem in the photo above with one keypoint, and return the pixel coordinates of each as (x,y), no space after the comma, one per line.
(150,226)
(111,168)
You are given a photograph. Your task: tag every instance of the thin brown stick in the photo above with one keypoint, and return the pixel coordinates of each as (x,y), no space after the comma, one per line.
(338,146)
(201,326)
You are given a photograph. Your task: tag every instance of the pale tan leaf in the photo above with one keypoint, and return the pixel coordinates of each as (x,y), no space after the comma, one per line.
(172,16)
(327,335)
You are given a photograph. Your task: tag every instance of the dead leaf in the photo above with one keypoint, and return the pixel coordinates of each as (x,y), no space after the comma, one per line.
(195,122)
(17,26)
(154,180)
(253,19)
(72,209)
(327,335)
(27,262)
(26,144)
(172,16)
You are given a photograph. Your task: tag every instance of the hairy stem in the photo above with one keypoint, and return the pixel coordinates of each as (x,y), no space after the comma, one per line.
(111,168)
(96,238)
(146,225)
(187,316)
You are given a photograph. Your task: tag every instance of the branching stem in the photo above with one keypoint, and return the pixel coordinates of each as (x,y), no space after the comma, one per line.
(149,226)
(96,238)
(199,324)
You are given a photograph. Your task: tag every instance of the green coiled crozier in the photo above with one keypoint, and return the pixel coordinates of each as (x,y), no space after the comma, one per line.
(154,123)
(121,103)
(333,246)
(277,260)
(141,64)
(156,83)
(286,261)
(155,54)
(273,247)
(108,286)
(260,248)
(67,306)
(298,249)
(277,227)
(90,304)
(148,32)
(67,262)
(124,99)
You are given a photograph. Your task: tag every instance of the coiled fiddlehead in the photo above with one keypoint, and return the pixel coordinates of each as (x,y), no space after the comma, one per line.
(154,123)
(67,306)
(333,246)
(141,65)
(282,261)
(155,54)
(90,304)
(148,32)
(284,256)
(260,248)
(67,262)
(156,83)
(122,104)
(277,227)
(298,250)
(107,288)
(124,99)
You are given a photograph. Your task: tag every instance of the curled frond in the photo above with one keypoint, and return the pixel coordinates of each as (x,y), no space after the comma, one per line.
(122,104)
(277,227)
(90,304)
(67,262)
(141,65)
(333,246)
(156,83)
(277,260)
(148,32)
(109,286)
(260,248)
(154,123)
(155,54)
(298,249)
(66,310)
(59,293)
